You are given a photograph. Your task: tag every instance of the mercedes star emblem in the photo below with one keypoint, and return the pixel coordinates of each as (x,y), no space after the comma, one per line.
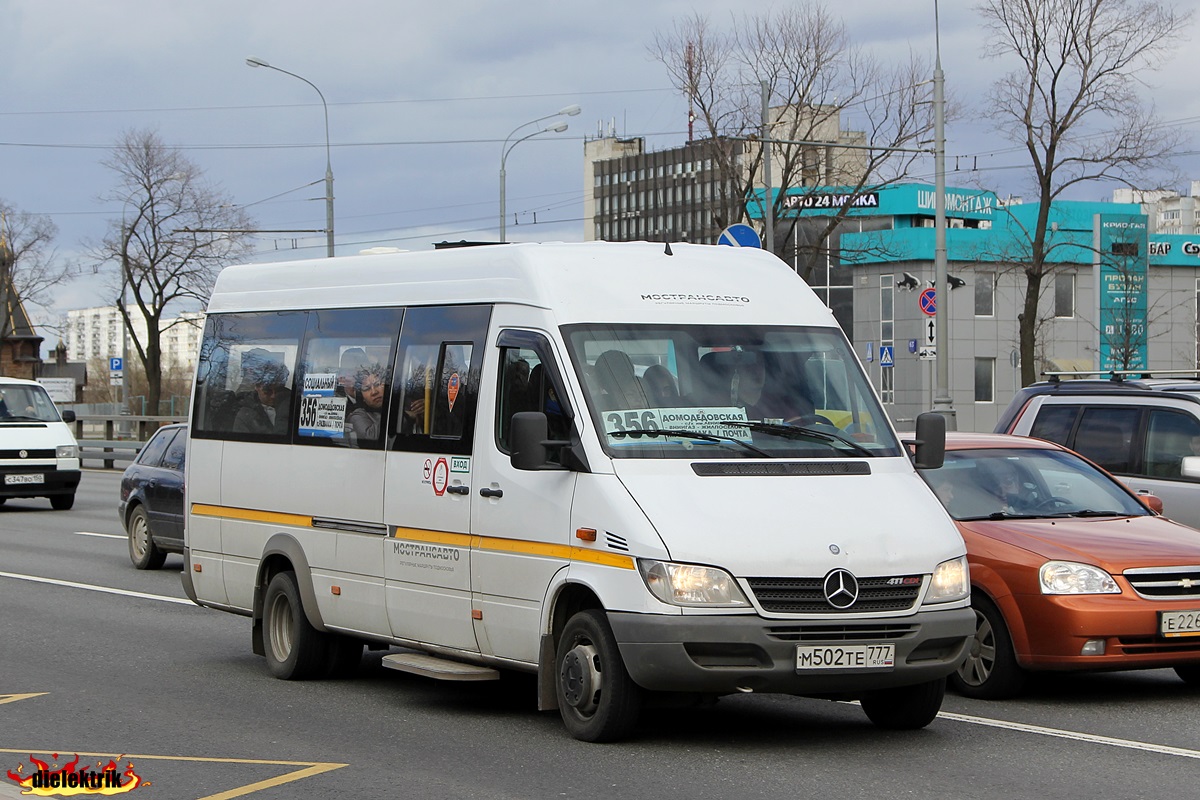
(841,588)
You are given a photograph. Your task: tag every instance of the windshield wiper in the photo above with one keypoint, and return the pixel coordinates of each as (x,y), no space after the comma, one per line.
(20,418)
(1087,512)
(706,437)
(799,432)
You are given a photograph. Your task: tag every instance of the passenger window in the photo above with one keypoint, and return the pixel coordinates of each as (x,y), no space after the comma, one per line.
(244,379)
(1054,423)
(152,453)
(1105,436)
(173,458)
(530,381)
(437,378)
(345,376)
(1170,436)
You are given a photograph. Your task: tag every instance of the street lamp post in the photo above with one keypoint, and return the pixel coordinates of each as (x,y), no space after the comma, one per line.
(942,402)
(258,62)
(569,111)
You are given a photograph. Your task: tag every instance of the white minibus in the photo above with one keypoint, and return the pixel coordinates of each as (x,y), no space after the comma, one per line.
(633,469)
(39,456)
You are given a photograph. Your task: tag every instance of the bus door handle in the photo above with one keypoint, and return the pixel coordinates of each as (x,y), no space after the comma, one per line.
(490,492)
(458,489)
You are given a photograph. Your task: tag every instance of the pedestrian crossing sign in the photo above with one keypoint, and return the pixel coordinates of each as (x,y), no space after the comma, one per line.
(886,357)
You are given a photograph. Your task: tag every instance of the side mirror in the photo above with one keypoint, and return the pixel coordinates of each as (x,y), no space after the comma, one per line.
(68,416)
(1189,467)
(931,441)
(1151,501)
(528,436)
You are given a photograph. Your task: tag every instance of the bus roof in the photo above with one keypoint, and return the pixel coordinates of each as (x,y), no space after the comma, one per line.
(580,282)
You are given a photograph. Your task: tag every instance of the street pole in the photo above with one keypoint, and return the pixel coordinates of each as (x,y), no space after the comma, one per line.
(505,149)
(258,62)
(942,403)
(768,203)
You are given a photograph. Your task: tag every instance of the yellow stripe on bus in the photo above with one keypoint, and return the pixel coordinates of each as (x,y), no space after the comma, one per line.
(491,543)
(251,515)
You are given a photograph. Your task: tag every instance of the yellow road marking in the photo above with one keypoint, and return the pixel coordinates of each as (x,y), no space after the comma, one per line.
(309,768)
(12,698)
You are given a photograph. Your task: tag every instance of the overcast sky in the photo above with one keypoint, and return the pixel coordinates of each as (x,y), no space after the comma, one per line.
(421,96)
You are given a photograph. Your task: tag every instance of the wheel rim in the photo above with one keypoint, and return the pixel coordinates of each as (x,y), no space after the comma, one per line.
(581,679)
(981,659)
(139,535)
(280,628)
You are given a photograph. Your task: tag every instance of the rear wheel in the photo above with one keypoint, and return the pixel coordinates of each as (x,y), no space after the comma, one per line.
(142,551)
(991,671)
(62,502)
(1189,674)
(295,650)
(598,700)
(905,708)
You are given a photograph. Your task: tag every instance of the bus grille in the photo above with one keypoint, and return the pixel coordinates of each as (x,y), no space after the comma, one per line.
(807,595)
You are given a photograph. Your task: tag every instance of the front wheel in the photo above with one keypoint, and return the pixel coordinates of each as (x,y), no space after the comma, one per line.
(991,671)
(142,551)
(905,708)
(295,650)
(62,502)
(598,700)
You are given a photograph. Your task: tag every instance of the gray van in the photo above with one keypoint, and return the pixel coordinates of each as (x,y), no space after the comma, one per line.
(1140,430)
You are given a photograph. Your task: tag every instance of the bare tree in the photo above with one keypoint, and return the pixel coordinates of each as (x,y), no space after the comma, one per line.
(1073,104)
(816,82)
(35,268)
(175,235)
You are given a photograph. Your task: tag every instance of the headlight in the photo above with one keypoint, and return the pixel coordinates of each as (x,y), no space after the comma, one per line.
(1067,577)
(951,580)
(66,451)
(691,585)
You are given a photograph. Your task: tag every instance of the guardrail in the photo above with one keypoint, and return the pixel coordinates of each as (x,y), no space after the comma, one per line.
(112,438)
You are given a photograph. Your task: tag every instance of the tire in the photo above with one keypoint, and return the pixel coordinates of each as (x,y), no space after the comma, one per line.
(142,550)
(345,654)
(1189,674)
(991,671)
(597,699)
(62,502)
(905,708)
(295,650)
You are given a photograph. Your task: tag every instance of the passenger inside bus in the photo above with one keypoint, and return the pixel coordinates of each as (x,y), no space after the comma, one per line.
(365,421)
(266,411)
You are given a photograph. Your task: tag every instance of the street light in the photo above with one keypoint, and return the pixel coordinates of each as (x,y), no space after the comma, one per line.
(258,62)
(569,111)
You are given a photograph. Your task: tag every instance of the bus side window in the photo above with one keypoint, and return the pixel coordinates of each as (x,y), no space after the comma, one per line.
(529,381)
(436,378)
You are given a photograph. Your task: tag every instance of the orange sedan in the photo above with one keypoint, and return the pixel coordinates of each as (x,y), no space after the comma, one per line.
(1069,570)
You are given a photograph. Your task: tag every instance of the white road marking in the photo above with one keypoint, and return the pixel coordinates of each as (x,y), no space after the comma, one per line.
(105,589)
(101,535)
(1128,744)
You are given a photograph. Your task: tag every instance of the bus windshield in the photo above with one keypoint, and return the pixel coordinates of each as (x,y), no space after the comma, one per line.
(711,391)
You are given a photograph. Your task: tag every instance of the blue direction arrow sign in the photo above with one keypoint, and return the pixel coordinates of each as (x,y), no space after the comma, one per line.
(740,236)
